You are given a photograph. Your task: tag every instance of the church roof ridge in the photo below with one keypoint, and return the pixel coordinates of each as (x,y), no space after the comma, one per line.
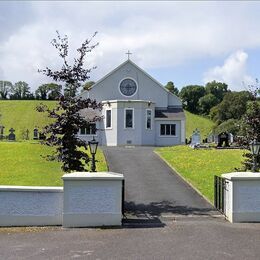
(134,64)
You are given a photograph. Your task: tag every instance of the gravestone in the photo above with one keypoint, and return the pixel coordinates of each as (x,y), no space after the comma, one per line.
(2,132)
(223,139)
(42,136)
(11,136)
(195,138)
(35,134)
(231,138)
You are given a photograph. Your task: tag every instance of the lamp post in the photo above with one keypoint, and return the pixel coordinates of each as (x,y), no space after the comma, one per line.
(254,147)
(93,144)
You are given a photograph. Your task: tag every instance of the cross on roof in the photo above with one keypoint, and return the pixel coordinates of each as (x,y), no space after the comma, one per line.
(128,53)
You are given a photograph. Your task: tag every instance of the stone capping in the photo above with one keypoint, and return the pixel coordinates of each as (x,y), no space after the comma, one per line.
(30,188)
(242,176)
(89,176)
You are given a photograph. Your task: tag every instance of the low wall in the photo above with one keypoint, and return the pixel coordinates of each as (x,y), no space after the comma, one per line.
(30,206)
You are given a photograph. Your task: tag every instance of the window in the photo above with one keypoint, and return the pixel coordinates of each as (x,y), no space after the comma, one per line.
(89,130)
(129,118)
(108,118)
(148,119)
(168,130)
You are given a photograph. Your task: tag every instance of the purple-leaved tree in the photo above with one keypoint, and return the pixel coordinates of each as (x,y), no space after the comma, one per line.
(62,132)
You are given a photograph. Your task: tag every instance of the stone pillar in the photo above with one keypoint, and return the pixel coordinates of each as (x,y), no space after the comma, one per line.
(92,199)
(242,196)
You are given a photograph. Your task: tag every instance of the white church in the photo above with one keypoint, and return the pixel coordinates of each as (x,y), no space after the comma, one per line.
(137,110)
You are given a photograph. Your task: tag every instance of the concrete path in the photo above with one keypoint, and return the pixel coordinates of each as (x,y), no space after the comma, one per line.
(152,188)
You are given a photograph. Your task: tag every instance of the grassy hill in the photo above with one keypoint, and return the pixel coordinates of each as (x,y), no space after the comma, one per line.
(21,115)
(194,121)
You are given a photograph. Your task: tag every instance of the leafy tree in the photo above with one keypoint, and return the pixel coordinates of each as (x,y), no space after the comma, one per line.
(70,90)
(88,85)
(207,102)
(190,96)
(50,91)
(20,90)
(63,132)
(41,92)
(233,106)
(54,91)
(218,89)
(5,88)
(170,86)
(251,126)
(230,126)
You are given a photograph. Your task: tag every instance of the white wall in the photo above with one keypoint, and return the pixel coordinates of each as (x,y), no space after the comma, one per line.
(30,206)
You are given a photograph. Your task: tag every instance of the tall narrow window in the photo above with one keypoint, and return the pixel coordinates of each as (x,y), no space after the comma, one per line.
(148,119)
(129,118)
(109,118)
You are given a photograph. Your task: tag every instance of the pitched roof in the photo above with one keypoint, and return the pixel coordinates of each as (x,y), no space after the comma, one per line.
(170,113)
(131,62)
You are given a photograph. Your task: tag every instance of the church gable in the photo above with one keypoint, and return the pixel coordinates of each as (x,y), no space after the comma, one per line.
(129,82)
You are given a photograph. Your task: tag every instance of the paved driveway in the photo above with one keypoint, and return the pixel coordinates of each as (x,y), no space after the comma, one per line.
(152,187)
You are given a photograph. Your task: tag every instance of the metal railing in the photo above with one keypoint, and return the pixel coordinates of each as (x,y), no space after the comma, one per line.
(219,193)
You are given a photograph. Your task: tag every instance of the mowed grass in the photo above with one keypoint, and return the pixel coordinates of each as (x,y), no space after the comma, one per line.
(198,166)
(22,115)
(195,121)
(22,164)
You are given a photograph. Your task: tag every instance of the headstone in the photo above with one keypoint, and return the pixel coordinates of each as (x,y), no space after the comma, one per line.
(35,134)
(195,138)
(223,139)
(231,138)
(42,136)
(2,132)
(11,136)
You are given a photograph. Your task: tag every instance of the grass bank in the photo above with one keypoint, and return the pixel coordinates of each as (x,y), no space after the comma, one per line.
(198,166)
(22,163)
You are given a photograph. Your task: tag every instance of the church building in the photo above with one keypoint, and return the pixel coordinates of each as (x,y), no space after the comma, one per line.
(137,110)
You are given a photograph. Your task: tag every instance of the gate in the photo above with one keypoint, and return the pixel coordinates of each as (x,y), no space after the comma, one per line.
(219,193)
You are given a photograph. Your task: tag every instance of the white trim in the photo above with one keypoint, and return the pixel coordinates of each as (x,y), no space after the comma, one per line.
(168,136)
(183,131)
(133,120)
(146,118)
(111,127)
(131,62)
(120,89)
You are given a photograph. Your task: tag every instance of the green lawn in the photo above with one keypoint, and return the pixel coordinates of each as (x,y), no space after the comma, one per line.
(195,121)
(22,115)
(22,164)
(198,166)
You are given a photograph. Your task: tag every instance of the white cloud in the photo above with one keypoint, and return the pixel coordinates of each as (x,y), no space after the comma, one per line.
(159,34)
(233,72)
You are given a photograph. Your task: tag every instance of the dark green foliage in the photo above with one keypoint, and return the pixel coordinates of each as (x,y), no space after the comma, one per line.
(251,126)
(170,86)
(230,126)
(51,91)
(206,103)
(21,90)
(190,96)
(218,89)
(87,85)
(63,132)
(5,88)
(233,106)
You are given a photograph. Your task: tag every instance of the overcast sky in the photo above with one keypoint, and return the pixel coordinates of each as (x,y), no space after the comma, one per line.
(183,42)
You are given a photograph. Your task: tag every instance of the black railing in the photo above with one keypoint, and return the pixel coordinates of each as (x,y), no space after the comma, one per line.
(219,193)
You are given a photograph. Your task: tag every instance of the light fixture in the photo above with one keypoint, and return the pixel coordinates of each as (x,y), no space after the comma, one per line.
(254,147)
(93,144)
